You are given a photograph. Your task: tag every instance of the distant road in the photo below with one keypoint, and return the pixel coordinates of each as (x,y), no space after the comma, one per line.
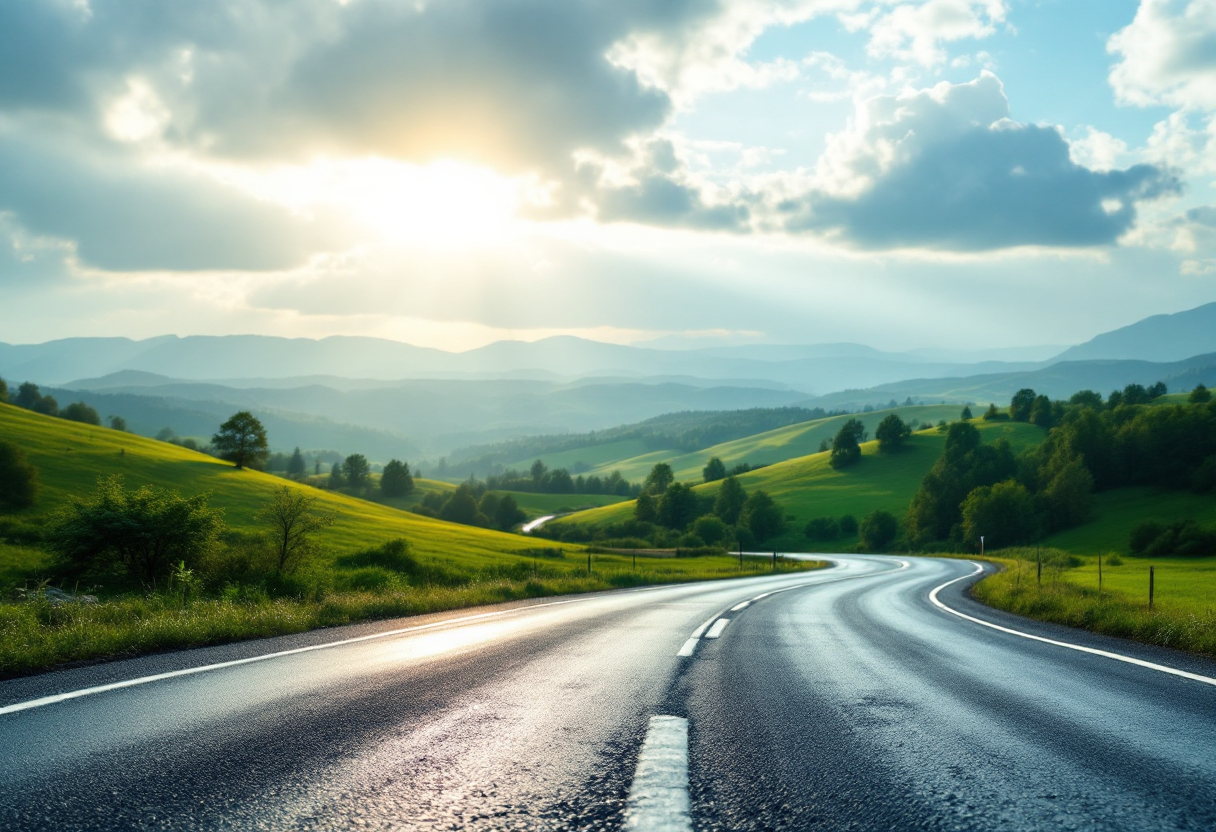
(839,699)
(533,525)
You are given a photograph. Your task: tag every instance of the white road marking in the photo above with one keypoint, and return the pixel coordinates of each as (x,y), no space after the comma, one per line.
(1195,677)
(742,606)
(190,671)
(658,797)
(689,647)
(697,632)
(718,627)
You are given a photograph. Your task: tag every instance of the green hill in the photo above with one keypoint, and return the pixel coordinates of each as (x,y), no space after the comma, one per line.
(771,446)
(807,487)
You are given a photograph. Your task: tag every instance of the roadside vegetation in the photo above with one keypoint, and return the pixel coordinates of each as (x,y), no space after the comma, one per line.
(114,545)
(1183,615)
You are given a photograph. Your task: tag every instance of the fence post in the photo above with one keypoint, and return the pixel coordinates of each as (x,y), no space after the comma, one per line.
(1151,576)
(774,561)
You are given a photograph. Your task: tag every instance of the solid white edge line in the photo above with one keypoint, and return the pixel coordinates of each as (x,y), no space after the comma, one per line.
(658,797)
(718,627)
(1194,677)
(190,671)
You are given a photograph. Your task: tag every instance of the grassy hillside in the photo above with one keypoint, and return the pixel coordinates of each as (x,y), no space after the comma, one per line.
(71,456)
(771,446)
(595,456)
(808,487)
(1118,511)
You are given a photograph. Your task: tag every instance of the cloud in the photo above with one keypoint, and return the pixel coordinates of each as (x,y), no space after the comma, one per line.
(915,31)
(116,213)
(944,168)
(1167,55)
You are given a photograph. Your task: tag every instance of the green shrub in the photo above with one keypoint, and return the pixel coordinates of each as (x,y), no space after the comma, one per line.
(823,528)
(393,556)
(848,524)
(367,579)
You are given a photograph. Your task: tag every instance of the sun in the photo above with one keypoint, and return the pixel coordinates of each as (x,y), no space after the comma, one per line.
(445,203)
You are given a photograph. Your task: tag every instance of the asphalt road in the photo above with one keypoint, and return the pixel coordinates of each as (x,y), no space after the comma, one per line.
(842,699)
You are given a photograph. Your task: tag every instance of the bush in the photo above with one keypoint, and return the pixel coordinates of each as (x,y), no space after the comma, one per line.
(393,556)
(1143,535)
(823,528)
(18,478)
(711,529)
(891,434)
(878,530)
(367,580)
(1113,560)
(81,412)
(1184,538)
(690,541)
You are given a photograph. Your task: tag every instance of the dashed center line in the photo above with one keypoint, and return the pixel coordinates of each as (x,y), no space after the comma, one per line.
(742,606)
(718,627)
(658,797)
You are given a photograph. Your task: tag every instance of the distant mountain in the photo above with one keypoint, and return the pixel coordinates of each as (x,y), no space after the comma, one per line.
(1159,338)
(238,360)
(1059,381)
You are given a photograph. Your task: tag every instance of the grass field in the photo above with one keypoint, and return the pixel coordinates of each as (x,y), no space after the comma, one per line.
(808,487)
(1117,512)
(772,446)
(1184,608)
(476,566)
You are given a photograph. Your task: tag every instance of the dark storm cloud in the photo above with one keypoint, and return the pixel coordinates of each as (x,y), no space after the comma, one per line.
(988,189)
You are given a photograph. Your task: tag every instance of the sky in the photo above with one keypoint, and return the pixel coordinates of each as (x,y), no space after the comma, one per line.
(929,173)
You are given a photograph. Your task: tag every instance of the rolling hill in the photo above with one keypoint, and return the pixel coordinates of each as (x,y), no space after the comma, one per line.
(807,487)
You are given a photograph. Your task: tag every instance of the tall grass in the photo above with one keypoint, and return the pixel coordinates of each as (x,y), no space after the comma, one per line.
(1182,624)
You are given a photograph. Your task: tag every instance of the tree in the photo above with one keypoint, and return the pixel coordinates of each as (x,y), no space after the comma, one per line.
(966,414)
(1021,404)
(846,447)
(508,514)
(145,531)
(711,529)
(461,507)
(336,479)
(1135,394)
(822,528)
(1157,390)
(538,471)
(292,525)
(659,478)
(891,434)
(1200,395)
(730,500)
(1068,497)
(118,423)
(1003,513)
(81,412)
(27,396)
(18,477)
(991,414)
(395,480)
(714,470)
(295,465)
(242,441)
(677,507)
(357,471)
(1041,412)
(762,516)
(47,406)
(3,390)
(1086,398)
(645,510)
(878,530)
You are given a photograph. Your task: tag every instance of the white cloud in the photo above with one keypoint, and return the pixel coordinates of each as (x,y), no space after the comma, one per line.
(1167,55)
(916,31)
(1098,150)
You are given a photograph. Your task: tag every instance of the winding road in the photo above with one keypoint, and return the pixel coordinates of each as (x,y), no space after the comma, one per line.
(871,695)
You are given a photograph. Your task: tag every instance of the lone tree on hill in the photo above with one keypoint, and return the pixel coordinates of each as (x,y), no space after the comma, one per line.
(118,423)
(18,478)
(846,447)
(81,412)
(891,434)
(1200,395)
(1021,404)
(292,525)
(242,441)
(395,480)
(714,470)
(966,414)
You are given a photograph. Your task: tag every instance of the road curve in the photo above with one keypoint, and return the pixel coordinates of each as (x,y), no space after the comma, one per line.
(839,699)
